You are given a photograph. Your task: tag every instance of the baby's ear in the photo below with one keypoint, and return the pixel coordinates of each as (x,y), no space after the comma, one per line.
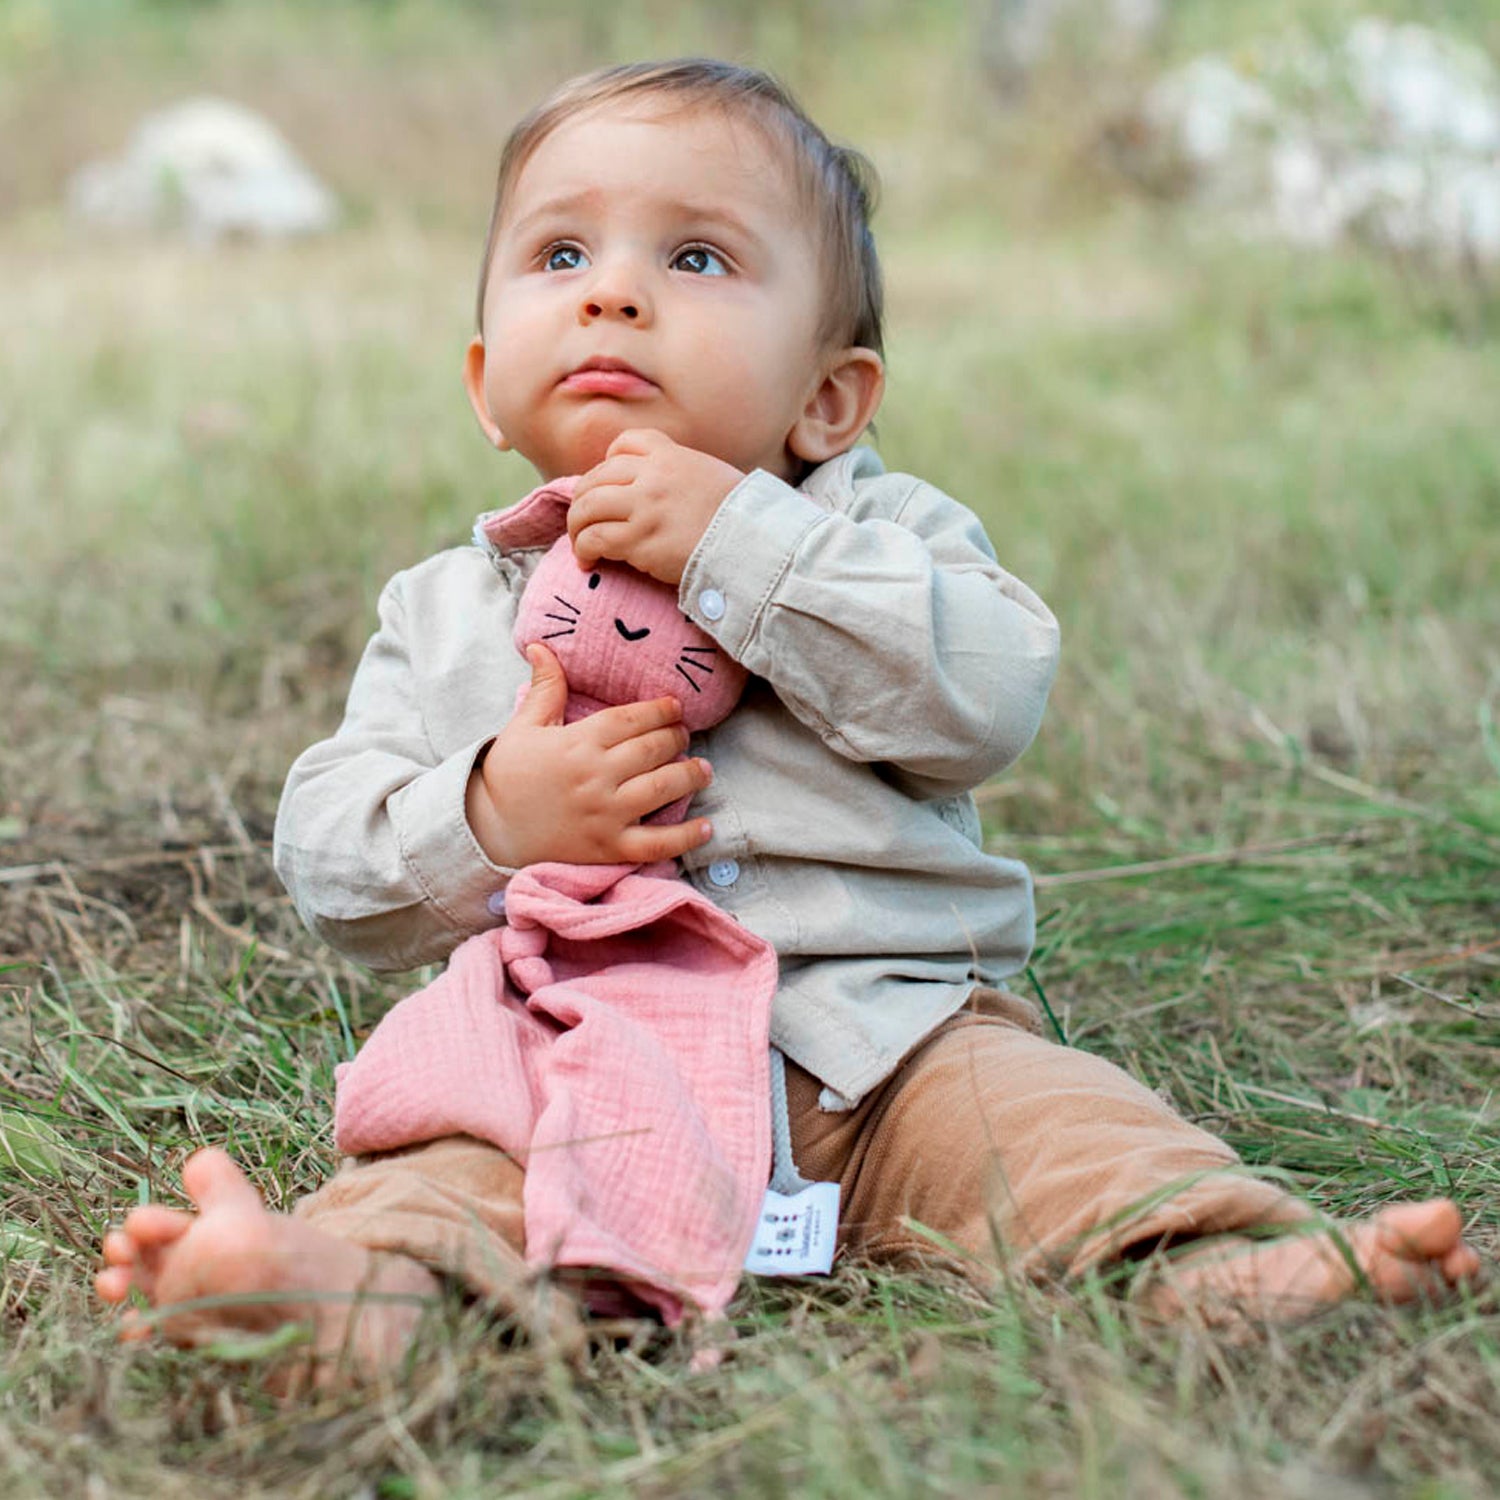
(474,385)
(840,407)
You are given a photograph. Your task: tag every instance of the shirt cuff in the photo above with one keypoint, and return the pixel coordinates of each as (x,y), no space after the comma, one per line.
(742,557)
(433,834)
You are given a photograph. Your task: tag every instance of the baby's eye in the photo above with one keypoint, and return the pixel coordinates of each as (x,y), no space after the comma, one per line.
(564,258)
(699,260)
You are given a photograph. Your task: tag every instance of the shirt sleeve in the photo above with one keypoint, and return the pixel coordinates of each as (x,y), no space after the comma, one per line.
(888,628)
(372,838)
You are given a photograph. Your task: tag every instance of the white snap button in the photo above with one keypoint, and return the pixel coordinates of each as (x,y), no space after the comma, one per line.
(711,602)
(495,903)
(724,871)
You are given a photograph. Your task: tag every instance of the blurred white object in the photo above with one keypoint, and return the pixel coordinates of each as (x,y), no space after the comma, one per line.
(1424,88)
(1016,36)
(1391,136)
(208,169)
(1206,112)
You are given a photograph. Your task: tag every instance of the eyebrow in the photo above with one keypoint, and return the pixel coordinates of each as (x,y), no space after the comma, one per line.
(715,213)
(556,208)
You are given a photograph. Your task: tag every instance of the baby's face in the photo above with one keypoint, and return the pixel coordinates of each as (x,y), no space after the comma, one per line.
(654,268)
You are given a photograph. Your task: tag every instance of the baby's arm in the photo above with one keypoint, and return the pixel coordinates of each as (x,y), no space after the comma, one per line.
(373,838)
(887,627)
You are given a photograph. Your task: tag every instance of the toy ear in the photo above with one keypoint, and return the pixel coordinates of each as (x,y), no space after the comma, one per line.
(536,521)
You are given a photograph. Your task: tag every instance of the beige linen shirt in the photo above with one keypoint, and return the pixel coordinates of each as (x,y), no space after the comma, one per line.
(896,666)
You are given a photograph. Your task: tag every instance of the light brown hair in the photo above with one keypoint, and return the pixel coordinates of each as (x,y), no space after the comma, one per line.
(837,182)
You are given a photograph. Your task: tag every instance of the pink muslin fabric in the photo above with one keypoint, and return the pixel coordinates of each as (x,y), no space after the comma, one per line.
(613,1034)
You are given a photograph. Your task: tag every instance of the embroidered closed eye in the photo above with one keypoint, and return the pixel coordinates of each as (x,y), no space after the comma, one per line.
(695,659)
(568,622)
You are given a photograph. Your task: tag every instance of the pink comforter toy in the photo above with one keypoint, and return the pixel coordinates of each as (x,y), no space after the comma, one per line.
(613,1033)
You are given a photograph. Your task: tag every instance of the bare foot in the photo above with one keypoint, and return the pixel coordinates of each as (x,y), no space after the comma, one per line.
(235,1270)
(1412,1251)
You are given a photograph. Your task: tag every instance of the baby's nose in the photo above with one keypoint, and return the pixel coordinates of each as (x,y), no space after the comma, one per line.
(616,290)
(596,307)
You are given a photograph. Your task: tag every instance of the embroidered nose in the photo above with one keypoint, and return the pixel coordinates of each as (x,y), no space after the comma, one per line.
(632,635)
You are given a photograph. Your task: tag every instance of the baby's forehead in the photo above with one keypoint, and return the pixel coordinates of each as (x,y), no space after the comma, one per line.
(737,125)
(734,146)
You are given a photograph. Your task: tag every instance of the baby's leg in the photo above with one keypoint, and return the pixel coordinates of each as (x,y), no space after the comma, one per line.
(235,1268)
(454,1205)
(1045,1160)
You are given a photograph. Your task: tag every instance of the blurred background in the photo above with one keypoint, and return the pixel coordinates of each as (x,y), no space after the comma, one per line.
(1194,303)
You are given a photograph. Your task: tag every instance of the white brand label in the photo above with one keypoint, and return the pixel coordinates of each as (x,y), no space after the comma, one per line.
(795,1236)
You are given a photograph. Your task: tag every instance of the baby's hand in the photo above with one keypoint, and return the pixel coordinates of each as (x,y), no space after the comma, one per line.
(647,503)
(546,790)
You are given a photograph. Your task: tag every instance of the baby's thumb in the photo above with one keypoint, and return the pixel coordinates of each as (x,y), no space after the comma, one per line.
(547,696)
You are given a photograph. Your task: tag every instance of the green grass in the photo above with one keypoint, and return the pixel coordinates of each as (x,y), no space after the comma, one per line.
(1262,492)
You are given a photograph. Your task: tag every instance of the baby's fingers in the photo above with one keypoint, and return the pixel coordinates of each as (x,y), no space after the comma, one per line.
(616,469)
(601,496)
(625,721)
(645,752)
(602,539)
(642,795)
(639,440)
(648,842)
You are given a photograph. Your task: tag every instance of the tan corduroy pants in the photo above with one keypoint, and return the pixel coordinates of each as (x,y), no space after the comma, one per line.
(990,1149)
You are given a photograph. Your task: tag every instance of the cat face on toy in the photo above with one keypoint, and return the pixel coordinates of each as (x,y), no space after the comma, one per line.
(620,637)
(617,633)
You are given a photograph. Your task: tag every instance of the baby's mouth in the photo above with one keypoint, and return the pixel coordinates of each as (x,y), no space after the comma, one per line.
(608,377)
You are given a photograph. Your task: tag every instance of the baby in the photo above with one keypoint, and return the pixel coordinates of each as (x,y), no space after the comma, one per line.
(680,302)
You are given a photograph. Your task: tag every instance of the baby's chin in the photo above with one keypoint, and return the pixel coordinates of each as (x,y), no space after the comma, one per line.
(585,444)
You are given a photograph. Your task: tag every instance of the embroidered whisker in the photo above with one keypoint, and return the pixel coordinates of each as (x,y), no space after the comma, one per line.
(688,679)
(566,619)
(710,650)
(552,635)
(567,604)
(695,664)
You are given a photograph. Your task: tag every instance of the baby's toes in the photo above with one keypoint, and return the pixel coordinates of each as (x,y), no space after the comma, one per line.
(113,1283)
(118,1249)
(152,1226)
(1405,1251)
(1420,1231)
(1461,1263)
(123,1269)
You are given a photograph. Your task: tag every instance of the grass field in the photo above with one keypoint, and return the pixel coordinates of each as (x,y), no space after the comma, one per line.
(1260,489)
